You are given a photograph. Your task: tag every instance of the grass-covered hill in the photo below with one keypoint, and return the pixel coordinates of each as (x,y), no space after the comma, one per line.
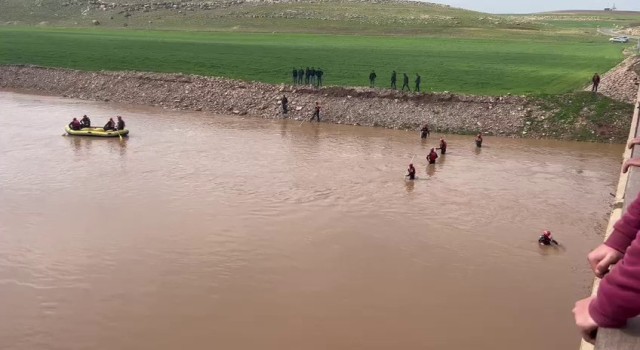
(323,16)
(304,16)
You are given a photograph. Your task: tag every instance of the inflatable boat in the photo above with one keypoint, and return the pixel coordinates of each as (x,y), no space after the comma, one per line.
(98,132)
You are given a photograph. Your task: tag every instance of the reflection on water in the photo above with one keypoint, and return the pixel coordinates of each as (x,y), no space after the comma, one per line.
(82,145)
(202,231)
(409,185)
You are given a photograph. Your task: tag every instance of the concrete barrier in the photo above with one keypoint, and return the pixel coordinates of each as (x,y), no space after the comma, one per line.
(628,189)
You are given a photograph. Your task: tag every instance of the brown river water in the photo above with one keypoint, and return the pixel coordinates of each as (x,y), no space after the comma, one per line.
(213,232)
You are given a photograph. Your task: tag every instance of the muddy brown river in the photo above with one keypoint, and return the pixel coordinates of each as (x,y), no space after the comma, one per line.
(212,232)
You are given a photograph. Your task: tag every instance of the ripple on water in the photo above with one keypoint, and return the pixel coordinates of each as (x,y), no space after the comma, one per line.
(202,229)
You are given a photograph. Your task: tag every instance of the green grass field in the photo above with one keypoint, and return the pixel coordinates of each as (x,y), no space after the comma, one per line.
(488,66)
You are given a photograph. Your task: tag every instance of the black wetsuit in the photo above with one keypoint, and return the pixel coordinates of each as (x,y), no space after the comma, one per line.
(372,79)
(405,82)
(546,240)
(412,173)
(109,126)
(424,133)
(85,122)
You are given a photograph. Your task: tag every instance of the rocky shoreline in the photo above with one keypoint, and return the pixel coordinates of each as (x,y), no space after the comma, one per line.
(450,113)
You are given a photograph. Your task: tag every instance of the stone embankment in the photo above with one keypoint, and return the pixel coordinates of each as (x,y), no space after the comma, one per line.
(620,82)
(513,116)
(354,106)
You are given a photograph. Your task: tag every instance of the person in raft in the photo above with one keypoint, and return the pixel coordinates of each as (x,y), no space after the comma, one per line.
(618,297)
(546,239)
(75,124)
(85,121)
(424,132)
(121,124)
(443,146)
(479,140)
(412,172)
(432,156)
(110,125)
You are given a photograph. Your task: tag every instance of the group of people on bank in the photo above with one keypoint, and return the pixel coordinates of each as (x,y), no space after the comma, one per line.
(85,122)
(394,81)
(432,156)
(310,76)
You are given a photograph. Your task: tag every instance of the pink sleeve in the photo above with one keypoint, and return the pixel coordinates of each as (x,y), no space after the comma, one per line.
(625,230)
(618,296)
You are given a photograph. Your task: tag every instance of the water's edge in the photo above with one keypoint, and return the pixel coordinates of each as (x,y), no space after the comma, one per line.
(511,116)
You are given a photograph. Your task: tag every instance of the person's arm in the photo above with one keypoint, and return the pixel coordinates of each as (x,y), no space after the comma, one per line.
(624,232)
(626,229)
(618,296)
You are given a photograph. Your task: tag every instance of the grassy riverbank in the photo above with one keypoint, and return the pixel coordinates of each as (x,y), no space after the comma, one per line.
(581,116)
(485,66)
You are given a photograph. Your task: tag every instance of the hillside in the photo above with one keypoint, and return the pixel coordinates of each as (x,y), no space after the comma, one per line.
(453,49)
(324,16)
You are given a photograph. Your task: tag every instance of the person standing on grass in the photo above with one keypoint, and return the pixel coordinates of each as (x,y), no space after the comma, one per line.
(307,75)
(618,297)
(294,73)
(319,74)
(312,79)
(300,76)
(595,81)
(393,80)
(405,82)
(316,112)
(372,79)
(418,82)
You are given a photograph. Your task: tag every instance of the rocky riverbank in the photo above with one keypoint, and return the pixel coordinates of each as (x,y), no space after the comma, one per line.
(619,83)
(506,115)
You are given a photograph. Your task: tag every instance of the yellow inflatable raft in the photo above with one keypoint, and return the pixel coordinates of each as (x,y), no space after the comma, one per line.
(98,132)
